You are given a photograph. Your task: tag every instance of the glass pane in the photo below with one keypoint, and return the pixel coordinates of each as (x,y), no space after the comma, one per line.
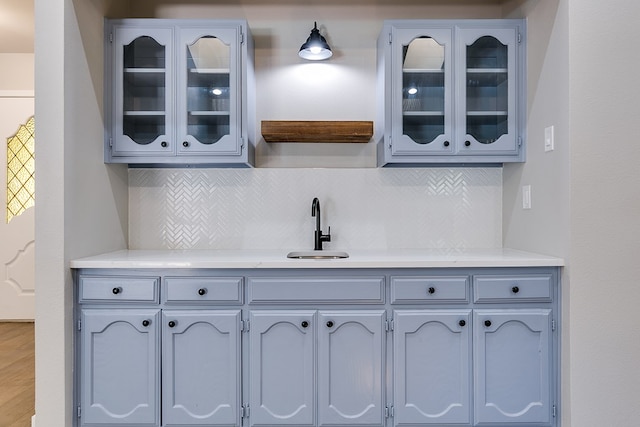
(208,89)
(487,89)
(423,94)
(144,90)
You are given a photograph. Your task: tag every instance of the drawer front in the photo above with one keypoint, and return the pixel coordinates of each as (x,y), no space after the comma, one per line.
(365,290)
(425,289)
(118,289)
(223,290)
(530,288)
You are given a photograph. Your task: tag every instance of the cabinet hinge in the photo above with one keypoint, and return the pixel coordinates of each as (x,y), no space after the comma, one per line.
(241,142)
(553,411)
(110,142)
(388,411)
(79,325)
(244,411)
(244,325)
(519,37)
(79,411)
(553,324)
(388,325)
(519,141)
(241,37)
(110,37)
(390,38)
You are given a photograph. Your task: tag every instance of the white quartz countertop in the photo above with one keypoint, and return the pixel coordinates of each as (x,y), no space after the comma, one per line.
(391,258)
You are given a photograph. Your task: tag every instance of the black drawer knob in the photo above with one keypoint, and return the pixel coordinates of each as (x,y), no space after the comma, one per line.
(467,143)
(164,144)
(185,144)
(515,289)
(116,290)
(487,323)
(172,323)
(462,323)
(446,143)
(146,322)
(330,324)
(202,291)
(431,290)
(304,324)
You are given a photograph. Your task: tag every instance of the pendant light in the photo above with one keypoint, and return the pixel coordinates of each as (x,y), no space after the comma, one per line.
(316,47)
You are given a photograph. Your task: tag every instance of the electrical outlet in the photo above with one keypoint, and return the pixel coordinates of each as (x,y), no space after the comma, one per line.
(526,197)
(549,143)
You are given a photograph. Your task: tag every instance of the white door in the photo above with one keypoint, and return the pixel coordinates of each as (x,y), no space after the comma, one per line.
(17,238)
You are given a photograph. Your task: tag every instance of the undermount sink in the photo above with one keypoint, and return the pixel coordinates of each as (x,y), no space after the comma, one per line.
(318,255)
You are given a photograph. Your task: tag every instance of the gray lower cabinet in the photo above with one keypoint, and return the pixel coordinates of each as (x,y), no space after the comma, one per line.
(318,348)
(119,356)
(300,357)
(200,367)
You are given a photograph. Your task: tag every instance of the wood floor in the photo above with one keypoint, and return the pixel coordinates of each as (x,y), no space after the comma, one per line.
(17,374)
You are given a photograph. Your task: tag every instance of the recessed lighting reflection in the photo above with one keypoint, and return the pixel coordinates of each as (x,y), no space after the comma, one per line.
(412,91)
(216,91)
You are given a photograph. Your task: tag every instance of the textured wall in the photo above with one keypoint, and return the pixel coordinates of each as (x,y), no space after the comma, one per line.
(271,208)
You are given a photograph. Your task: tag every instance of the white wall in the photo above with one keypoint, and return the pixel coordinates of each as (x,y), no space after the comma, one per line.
(605,212)
(82,203)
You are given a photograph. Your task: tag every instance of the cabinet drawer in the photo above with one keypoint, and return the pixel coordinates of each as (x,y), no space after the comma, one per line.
(530,288)
(223,290)
(366,290)
(428,289)
(118,289)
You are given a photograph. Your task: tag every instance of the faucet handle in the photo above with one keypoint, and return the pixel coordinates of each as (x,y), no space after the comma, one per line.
(326,237)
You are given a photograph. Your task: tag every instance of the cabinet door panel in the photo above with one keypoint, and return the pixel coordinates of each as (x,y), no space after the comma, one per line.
(201,367)
(487,85)
(281,361)
(422,93)
(432,366)
(119,372)
(143,92)
(512,351)
(208,95)
(350,367)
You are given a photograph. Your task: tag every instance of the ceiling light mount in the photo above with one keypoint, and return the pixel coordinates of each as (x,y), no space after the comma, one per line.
(316,47)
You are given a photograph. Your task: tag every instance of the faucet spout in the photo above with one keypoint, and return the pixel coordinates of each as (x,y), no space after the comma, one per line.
(319,237)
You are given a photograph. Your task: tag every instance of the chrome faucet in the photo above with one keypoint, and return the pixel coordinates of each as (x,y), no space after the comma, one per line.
(318,236)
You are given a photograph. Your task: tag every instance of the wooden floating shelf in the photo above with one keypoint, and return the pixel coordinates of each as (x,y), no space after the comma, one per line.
(317,131)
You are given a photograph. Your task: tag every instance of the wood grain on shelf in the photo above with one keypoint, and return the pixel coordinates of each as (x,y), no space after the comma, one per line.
(317,131)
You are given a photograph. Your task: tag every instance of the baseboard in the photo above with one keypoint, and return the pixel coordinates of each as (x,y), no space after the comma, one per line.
(33,421)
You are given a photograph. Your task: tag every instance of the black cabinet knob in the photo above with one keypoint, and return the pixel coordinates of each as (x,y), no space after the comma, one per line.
(431,290)
(487,323)
(330,324)
(172,323)
(446,143)
(304,324)
(202,291)
(467,143)
(164,144)
(146,323)
(515,289)
(462,323)
(185,144)
(117,290)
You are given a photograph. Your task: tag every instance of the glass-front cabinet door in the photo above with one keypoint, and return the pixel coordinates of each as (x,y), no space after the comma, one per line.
(208,105)
(422,98)
(143,92)
(488,90)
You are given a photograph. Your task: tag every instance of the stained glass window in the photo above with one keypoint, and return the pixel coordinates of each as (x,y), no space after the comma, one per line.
(21,185)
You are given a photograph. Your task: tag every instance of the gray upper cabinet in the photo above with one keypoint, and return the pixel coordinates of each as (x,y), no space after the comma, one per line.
(180,92)
(451,92)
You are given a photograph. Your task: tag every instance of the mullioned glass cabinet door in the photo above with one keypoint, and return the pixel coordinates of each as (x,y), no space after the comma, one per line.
(143,85)
(487,87)
(422,92)
(208,105)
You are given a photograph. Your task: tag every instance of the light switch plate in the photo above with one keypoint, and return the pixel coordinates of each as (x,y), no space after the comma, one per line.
(526,197)
(549,143)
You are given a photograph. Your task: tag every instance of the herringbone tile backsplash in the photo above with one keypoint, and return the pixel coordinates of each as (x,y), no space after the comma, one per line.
(271,208)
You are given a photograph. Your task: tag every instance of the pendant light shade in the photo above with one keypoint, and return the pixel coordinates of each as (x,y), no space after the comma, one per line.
(316,47)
